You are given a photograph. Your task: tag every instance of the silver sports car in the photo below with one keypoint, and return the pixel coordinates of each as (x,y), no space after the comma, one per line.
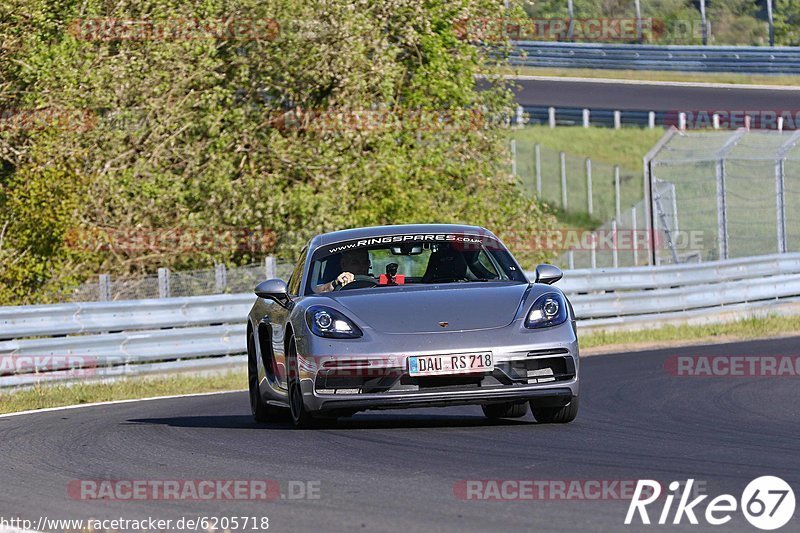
(411,316)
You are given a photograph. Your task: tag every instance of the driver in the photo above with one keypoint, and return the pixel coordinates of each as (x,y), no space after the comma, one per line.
(354,263)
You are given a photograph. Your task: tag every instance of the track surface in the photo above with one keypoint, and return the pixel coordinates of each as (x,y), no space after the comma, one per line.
(655,97)
(396,470)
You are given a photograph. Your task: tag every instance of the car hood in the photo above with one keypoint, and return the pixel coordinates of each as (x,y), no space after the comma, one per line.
(422,309)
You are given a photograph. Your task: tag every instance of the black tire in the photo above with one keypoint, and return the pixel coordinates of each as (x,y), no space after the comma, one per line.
(505,410)
(301,418)
(261,410)
(556,415)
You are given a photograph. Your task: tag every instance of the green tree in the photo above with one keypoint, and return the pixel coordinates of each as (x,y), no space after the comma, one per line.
(249,129)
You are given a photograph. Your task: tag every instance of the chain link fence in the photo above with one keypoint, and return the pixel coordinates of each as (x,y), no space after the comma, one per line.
(219,280)
(735,194)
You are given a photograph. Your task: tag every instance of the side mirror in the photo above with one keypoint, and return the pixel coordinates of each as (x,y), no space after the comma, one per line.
(548,274)
(273,289)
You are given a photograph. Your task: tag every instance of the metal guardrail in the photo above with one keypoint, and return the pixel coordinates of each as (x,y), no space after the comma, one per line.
(743,59)
(101,340)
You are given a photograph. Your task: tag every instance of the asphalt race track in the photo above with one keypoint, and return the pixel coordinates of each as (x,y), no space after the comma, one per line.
(396,470)
(653,97)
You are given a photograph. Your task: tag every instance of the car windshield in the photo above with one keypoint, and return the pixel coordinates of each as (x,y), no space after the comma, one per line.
(411,260)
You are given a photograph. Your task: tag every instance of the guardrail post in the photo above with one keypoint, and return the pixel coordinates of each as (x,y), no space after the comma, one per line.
(585,118)
(551,116)
(780,124)
(614,242)
(220,277)
(563,158)
(617,200)
(571,259)
(682,121)
(163,283)
(715,120)
(617,119)
(589,201)
(538,164)
(104,287)
(651,120)
(594,250)
(270,267)
(514,157)
(520,117)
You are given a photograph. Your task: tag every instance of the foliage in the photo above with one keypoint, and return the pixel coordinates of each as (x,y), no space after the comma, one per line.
(241,130)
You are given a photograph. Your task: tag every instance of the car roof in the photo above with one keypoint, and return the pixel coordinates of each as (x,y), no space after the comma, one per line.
(399,229)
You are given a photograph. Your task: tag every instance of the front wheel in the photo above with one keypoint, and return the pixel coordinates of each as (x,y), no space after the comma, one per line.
(301,417)
(555,415)
(505,410)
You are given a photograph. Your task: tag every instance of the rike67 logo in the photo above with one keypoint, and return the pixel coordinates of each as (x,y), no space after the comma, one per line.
(767,503)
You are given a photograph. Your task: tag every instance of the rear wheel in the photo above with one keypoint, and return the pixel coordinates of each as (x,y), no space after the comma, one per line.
(261,410)
(301,417)
(505,410)
(555,415)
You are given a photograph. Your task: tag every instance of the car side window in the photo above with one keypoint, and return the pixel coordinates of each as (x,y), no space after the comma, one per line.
(297,274)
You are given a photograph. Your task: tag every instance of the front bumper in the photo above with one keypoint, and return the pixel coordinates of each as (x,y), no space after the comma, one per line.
(384,383)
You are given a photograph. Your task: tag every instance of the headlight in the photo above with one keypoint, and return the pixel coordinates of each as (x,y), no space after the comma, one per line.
(548,310)
(328,322)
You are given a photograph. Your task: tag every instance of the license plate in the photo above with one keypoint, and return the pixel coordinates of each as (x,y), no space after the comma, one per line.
(462,363)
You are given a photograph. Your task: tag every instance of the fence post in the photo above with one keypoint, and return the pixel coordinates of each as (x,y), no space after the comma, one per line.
(781,206)
(270,267)
(163,283)
(780,124)
(571,259)
(722,223)
(635,238)
(585,118)
(715,120)
(682,121)
(551,116)
(617,200)
(520,117)
(617,119)
(514,157)
(563,158)
(220,277)
(105,287)
(614,252)
(538,163)
(589,201)
(594,250)
(651,120)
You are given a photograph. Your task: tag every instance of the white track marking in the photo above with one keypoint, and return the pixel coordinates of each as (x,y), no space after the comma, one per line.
(659,83)
(114,402)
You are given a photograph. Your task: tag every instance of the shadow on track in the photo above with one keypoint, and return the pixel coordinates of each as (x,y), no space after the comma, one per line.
(364,421)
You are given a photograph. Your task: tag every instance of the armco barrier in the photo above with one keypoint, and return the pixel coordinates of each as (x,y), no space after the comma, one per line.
(743,59)
(101,340)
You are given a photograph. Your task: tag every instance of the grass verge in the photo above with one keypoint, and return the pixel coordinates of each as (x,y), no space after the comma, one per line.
(659,75)
(745,329)
(42,397)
